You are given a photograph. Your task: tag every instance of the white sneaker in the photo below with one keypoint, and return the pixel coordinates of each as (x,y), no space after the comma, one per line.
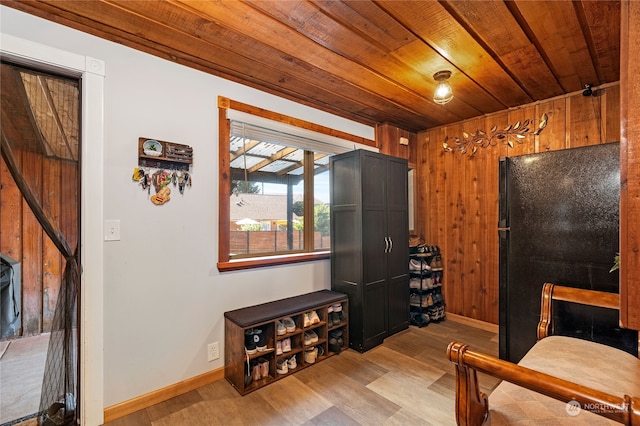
(314,318)
(280,328)
(282,367)
(289,325)
(307,320)
(292,363)
(286,345)
(310,337)
(417,265)
(278,347)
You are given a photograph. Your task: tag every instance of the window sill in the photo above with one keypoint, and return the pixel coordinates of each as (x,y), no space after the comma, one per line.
(259,262)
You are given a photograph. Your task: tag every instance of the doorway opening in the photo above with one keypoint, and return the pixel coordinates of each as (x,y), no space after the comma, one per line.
(40,227)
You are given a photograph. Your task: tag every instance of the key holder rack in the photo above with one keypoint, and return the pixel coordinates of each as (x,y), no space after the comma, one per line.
(161,165)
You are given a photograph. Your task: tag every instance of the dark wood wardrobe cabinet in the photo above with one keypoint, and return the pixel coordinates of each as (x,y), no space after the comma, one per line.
(370,243)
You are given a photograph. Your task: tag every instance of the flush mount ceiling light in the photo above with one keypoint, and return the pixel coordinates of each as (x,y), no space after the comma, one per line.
(443,93)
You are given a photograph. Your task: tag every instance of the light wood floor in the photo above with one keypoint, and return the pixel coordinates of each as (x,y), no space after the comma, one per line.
(21,373)
(407,380)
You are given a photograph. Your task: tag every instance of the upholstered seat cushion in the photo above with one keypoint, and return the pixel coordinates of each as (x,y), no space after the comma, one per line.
(579,361)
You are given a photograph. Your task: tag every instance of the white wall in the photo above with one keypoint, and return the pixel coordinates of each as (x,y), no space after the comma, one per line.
(164,298)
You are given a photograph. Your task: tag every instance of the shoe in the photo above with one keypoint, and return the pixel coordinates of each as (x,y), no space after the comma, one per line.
(313,317)
(320,351)
(330,316)
(334,345)
(263,363)
(310,355)
(279,347)
(282,367)
(258,338)
(255,371)
(436,263)
(337,310)
(437,281)
(307,320)
(427,283)
(310,337)
(249,343)
(289,325)
(286,345)
(336,341)
(415,265)
(335,333)
(280,328)
(292,363)
(334,319)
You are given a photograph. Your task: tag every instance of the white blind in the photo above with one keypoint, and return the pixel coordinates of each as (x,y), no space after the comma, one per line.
(265,130)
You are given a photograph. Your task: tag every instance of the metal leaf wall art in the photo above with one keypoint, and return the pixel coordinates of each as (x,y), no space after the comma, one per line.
(513,133)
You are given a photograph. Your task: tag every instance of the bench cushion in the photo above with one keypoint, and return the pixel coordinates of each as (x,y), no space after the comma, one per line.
(583,362)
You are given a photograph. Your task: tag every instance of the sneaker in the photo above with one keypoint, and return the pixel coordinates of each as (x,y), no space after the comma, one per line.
(310,355)
(282,367)
(249,343)
(292,362)
(307,320)
(313,317)
(415,265)
(289,325)
(258,338)
(320,351)
(263,363)
(286,345)
(280,328)
(310,337)
(279,347)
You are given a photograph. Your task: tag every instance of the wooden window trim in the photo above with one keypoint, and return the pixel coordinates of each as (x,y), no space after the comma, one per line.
(224,183)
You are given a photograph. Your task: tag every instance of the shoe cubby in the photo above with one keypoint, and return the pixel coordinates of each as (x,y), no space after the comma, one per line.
(267,342)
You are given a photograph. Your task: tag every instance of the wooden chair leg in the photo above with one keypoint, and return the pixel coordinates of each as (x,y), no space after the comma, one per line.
(472,406)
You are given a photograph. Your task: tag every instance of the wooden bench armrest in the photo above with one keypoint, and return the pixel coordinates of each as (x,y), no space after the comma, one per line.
(551,292)
(472,407)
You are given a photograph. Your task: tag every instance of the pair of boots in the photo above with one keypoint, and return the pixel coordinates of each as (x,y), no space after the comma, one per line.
(256,370)
(335,341)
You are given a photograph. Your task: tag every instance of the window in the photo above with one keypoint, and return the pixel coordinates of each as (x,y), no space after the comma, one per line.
(274,186)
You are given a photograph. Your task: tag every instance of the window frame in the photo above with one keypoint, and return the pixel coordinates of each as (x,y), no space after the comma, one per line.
(225,263)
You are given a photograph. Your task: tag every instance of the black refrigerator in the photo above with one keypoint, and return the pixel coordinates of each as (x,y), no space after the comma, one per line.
(559,223)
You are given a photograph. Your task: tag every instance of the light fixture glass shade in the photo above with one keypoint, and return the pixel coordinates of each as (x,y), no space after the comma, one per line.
(443,92)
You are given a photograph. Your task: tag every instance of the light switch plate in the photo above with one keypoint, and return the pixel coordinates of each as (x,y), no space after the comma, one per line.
(112,230)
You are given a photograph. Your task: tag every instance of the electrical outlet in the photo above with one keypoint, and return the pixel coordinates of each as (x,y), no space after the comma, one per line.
(212,351)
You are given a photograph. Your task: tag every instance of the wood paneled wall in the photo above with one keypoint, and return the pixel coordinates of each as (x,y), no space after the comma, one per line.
(22,237)
(457,196)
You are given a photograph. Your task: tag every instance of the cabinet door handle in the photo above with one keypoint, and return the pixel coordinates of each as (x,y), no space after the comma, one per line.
(386,244)
(390,244)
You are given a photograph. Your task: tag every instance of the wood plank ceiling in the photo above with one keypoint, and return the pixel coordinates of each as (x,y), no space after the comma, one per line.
(371,61)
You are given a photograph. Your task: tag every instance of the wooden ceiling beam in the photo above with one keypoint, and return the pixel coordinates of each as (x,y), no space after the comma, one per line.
(500,33)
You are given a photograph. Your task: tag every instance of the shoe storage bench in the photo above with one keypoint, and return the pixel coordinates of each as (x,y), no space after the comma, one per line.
(267,342)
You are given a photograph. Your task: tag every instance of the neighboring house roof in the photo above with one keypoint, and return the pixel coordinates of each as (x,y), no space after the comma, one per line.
(260,207)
